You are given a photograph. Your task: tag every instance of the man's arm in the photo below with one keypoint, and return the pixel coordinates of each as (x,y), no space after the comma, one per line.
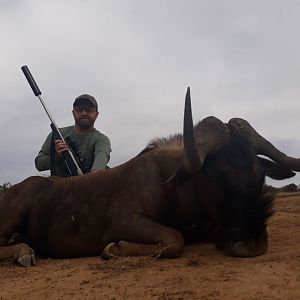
(42,161)
(102,153)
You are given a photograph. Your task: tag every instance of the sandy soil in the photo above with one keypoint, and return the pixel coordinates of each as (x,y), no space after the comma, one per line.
(201,273)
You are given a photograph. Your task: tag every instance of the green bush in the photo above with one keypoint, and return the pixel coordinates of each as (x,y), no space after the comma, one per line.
(290,188)
(4,187)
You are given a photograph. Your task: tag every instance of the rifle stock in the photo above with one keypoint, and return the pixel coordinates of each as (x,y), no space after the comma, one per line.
(67,156)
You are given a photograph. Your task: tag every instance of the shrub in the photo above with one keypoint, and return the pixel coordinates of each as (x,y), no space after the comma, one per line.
(4,187)
(290,188)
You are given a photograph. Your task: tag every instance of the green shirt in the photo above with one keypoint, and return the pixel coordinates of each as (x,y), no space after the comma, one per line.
(94,148)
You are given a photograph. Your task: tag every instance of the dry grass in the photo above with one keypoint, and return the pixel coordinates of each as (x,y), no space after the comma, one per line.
(287,195)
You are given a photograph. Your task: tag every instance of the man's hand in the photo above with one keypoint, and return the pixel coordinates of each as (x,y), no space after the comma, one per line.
(60,147)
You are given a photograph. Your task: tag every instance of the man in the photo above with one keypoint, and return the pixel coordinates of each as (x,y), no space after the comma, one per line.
(93,147)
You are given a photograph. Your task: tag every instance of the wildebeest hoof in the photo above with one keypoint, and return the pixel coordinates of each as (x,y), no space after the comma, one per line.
(24,255)
(27,260)
(108,251)
(106,256)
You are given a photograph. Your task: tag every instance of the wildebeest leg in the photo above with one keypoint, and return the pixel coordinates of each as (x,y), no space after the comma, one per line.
(22,253)
(14,207)
(10,224)
(124,248)
(155,239)
(16,203)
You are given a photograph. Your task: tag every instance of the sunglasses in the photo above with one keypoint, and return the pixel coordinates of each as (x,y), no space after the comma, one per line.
(88,109)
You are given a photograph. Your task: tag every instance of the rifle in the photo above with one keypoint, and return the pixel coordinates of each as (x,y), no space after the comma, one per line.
(68,156)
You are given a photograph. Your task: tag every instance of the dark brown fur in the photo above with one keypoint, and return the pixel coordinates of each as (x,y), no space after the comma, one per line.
(80,216)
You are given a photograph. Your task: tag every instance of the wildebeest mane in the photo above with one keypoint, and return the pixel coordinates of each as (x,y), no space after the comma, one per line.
(173,142)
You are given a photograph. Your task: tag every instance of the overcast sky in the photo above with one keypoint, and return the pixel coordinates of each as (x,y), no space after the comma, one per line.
(137,57)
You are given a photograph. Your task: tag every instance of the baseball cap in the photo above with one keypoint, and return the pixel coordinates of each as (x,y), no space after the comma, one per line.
(87,97)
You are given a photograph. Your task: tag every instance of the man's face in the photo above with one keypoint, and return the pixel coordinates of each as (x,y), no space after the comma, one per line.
(85,114)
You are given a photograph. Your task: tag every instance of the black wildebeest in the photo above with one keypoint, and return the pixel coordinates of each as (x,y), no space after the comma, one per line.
(206,185)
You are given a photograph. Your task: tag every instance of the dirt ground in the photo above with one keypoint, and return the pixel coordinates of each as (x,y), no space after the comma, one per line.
(201,273)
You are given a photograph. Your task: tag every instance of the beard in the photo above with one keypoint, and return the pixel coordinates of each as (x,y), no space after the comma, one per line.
(85,123)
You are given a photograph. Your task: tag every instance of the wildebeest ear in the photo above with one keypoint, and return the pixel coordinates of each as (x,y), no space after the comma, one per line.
(276,171)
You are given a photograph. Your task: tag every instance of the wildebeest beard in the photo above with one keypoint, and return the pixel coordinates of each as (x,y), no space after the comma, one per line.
(245,207)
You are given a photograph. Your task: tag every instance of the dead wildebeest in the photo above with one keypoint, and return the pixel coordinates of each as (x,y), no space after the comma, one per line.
(206,185)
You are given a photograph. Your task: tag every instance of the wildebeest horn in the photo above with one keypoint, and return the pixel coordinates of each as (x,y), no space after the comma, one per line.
(206,137)
(210,135)
(263,146)
(191,158)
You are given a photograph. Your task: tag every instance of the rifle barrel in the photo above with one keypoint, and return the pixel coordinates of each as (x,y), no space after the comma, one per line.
(68,156)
